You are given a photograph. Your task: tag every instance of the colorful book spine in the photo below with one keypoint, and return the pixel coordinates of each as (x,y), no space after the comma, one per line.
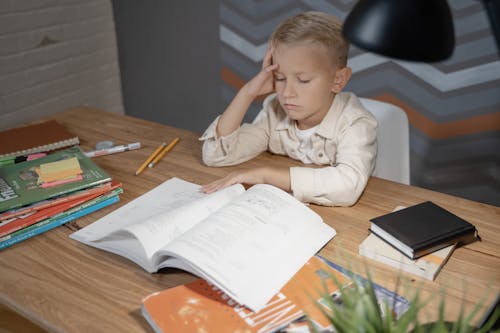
(65,213)
(21,223)
(55,221)
(44,204)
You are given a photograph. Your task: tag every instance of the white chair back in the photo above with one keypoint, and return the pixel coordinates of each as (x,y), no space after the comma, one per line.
(393,157)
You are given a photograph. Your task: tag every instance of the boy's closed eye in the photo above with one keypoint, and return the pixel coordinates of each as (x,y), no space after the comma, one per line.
(279,78)
(300,80)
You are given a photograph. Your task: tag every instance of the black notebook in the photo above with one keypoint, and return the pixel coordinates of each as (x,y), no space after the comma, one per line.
(421,229)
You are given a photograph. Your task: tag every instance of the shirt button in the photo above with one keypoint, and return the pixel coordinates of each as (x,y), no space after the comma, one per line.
(320,154)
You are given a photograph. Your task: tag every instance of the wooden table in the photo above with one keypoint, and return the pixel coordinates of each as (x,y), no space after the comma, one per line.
(63,285)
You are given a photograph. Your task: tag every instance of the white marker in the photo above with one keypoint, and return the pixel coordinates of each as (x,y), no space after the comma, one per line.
(113,150)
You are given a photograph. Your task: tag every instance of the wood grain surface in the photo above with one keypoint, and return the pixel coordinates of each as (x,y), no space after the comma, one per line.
(65,286)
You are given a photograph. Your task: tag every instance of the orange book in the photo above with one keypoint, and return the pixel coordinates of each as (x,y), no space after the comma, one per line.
(201,307)
(42,214)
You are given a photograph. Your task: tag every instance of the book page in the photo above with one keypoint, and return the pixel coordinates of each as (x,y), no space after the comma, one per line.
(155,218)
(163,228)
(256,242)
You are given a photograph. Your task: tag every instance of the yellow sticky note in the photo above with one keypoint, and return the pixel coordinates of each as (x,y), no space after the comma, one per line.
(58,170)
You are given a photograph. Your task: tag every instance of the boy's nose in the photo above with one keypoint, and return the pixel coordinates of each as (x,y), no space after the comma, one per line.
(289,91)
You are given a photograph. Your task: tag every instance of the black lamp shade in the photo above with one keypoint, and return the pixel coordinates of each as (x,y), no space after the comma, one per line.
(417,30)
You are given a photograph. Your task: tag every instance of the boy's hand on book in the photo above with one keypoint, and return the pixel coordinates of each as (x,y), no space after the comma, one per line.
(237,177)
(279,177)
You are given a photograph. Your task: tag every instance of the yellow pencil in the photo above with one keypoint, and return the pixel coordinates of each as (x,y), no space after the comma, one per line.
(150,158)
(163,152)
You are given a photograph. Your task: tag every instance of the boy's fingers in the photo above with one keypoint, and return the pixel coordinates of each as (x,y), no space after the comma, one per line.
(267,61)
(271,68)
(209,188)
(213,186)
(220,183)
(268,57)
(205,189)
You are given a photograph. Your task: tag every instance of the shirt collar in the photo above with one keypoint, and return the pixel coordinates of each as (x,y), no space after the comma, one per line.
(326,128)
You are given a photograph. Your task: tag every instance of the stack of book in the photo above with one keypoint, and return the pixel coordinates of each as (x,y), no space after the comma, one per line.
(417,239)
(299,306)
(43,193)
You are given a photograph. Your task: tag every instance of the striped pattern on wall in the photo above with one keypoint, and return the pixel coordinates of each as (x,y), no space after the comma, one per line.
(453,106)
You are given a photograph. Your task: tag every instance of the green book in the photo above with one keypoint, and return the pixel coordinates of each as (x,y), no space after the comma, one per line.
(18,182)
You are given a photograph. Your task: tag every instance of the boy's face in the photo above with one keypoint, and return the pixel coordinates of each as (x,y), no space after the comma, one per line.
(304,81)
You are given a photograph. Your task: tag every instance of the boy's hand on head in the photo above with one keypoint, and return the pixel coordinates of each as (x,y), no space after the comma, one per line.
(263,82)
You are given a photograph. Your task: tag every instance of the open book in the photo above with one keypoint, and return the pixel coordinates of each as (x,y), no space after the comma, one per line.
(247,243)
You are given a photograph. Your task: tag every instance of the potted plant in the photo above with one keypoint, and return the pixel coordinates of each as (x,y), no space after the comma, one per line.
(357,310)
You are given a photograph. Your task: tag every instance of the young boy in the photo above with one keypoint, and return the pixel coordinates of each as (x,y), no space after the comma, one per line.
(308,118)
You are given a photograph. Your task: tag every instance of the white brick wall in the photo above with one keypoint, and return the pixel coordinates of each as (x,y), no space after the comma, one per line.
(55,55)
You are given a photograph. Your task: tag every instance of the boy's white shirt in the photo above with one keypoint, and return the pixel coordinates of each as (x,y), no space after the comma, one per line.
(345,142)
(304,151)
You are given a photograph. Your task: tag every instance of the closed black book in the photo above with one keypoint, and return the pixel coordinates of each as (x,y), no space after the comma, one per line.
(422,229)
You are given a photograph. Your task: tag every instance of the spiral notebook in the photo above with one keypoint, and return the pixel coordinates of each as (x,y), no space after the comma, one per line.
(41,137)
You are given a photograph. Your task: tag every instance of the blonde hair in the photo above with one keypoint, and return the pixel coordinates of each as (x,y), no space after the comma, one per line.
(316,27)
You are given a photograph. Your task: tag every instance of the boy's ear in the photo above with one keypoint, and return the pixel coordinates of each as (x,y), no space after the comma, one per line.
(342,76)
